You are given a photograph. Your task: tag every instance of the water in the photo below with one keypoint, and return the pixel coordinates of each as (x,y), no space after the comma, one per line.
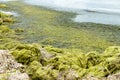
(97,11)
(7,0)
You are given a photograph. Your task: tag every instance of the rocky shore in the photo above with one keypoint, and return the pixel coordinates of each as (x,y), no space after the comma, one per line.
(34,61)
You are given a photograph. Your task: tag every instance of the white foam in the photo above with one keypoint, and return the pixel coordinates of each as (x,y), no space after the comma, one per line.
(9,12)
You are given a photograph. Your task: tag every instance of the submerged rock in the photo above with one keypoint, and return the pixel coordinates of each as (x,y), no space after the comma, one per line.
(9,68)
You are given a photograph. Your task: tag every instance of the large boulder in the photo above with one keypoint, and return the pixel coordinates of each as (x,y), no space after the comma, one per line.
(9,68)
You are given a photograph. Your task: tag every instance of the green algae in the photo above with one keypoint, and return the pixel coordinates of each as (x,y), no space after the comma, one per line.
(84,64)
(25,54)
(6,18)
(50,27)
(3,5)
(92,63)
(53,49)
(37,72)
(5,29)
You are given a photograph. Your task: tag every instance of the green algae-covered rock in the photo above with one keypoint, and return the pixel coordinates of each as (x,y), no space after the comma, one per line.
(26,53)
(3,5)
(5,29)
(53,49)
(37,72)
(6,18)
(112,50)
(57,66)
(93,58)
(32,68)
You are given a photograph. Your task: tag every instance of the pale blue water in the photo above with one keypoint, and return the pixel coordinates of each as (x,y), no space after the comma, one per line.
(97,11)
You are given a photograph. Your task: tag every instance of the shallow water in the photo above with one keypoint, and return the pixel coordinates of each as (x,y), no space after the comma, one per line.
(97,11)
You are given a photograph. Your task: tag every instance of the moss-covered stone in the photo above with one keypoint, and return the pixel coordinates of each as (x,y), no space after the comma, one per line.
(37,72)
(53,49)
(6,18)
(26,53)
(5,29)
(3,5)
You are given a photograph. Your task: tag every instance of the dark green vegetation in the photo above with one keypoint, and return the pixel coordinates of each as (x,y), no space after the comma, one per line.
(39,26)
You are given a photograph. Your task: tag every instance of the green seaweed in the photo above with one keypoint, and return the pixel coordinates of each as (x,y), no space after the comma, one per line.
(64,60)
(37,72)
(3,5)
(53,49)
(5,29)
(26,53)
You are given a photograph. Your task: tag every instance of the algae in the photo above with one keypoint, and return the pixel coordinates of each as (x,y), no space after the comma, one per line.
(26,53)
(38,72)
(3,5)
(5,29)
(63,63)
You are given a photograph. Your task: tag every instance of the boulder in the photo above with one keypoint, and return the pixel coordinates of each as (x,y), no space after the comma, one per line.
(9,68)
(114,76)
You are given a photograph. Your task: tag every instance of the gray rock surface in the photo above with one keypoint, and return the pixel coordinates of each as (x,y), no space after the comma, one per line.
(9,68)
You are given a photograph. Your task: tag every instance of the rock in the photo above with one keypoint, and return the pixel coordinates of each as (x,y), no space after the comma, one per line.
(110,77)
(68,75)
(45,54)
(114,76)
(89,77)
(18,76)
(9,68)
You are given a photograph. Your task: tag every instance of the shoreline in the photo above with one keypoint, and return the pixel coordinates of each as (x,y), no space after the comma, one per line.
(94,15)
(34,61)
(54,22)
